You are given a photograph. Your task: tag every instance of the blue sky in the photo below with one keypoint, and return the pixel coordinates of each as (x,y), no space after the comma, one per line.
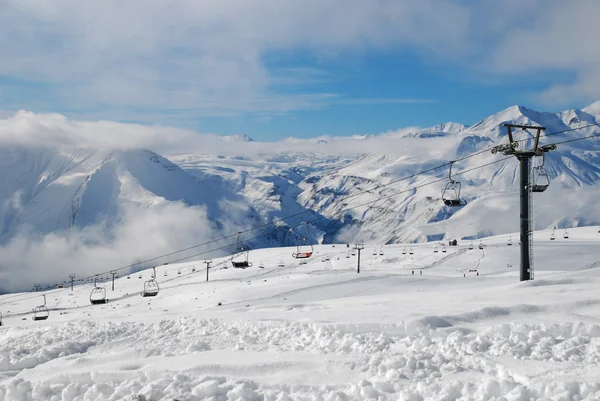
(298,68)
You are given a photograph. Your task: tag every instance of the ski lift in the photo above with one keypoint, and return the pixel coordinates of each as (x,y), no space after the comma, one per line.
(480,244)
(509,243)
(240,259)
(435,249)
(347,254)
(178,271)
(444,249)
(353,252)
(98,294)
(541,181)
(261,266)
(552,236)
(374,252)
(41,312)
(140,276)
(566,234)
(128,277)
(281,264)
(194,268)
(451,192)
(471,245)
(165,274)
(404,251)
(151,286)
(410,251)
(307,251)
(381,251)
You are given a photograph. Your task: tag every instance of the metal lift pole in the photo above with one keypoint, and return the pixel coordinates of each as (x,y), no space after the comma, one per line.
(72,277)
(359,247)
(525,195)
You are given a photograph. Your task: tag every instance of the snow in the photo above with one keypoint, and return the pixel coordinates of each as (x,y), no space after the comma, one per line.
(320,331)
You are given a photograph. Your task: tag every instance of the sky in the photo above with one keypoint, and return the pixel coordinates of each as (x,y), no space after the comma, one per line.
(273,69)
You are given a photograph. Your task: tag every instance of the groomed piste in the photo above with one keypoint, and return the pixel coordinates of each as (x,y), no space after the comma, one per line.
(454,325)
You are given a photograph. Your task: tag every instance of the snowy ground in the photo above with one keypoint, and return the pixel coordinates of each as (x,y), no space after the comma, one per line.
(320,331)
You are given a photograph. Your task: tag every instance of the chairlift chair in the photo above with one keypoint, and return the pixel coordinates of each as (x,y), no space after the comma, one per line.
(165,274)
(509,243)
(444,249)
(404,251)
(541,180)
(381,251)
(281,264)
(140,276)
(566,234)
(261,266)
(480,245)
(552,236)
(41,312)
(451,192)
(374,252)
(151,287)
(410,251)
(179,271)
(240,259)
(471,245)
(128,277)
(98,295)
(435,249)
(305,250)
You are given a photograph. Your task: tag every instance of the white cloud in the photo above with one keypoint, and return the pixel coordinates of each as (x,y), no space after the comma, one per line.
(30,258)
(203,56)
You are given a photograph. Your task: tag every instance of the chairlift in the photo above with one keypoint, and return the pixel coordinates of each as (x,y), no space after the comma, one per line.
(98,295)
(304,251)
(381,251)
(435,249)
(353,252)
(193,269)
(374,252)
(347,254)
(451,192)
(410,251)
(41,312)
(165,274)
(566,234)
(178,271)
(240,259)
(444,249)
(151,286)
(541,180)
(480,244)
(509,243)
(281,264)
(128,277)
(140,276)
(552,236)
(261,266)
(471,245)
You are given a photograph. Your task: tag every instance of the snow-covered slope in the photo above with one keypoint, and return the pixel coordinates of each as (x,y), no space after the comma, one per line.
(350,189)
(453,325)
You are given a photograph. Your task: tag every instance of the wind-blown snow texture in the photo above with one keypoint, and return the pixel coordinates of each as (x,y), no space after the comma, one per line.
(320,331)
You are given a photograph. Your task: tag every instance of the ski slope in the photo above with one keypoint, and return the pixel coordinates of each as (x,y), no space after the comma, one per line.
(461,328)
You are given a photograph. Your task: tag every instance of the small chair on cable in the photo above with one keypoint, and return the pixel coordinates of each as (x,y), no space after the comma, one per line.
(98,294)
(41,312)
(151,286)
(435,249)
(480,244)
(552,236)
(239,260)
(410,251)
(451,192)
(444,249)
(471,246)
(404,251)
(566,234)
(541,180)
(381,251)
(305,250)
(509,243)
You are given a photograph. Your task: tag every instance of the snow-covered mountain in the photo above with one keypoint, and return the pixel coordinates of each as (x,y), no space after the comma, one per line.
(347,197)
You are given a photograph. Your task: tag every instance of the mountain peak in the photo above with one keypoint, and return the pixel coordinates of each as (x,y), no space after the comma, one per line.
(593,109)
(237,138)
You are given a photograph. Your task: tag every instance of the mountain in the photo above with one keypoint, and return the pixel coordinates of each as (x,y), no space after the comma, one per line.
(237,138)
(348,193)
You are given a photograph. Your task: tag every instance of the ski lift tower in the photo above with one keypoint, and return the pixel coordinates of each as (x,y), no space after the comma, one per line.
(524,156)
